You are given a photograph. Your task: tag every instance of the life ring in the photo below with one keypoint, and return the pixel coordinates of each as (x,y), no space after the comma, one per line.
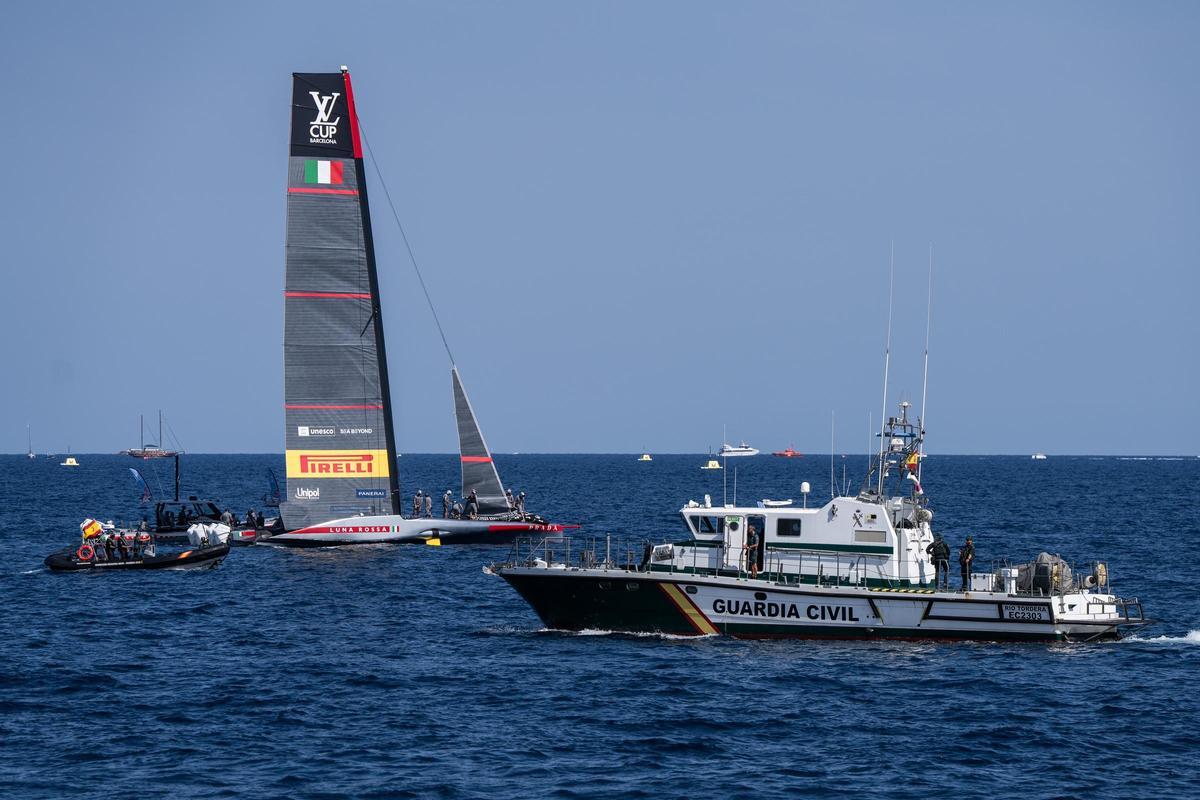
(1101,573)
(85,552)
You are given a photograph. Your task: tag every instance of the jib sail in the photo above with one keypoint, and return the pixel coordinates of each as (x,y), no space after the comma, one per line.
(478,470)
(341,450)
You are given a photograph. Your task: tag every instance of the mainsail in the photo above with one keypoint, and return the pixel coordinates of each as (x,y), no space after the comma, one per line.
(478,470)
(341,450)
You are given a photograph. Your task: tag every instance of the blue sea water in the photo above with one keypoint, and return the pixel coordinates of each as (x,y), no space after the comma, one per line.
(405,671)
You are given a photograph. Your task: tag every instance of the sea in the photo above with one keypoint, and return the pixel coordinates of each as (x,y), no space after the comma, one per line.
(405,671)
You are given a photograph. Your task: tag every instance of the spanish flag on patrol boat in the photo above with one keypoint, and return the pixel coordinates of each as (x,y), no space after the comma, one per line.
(91,528)
(911,463)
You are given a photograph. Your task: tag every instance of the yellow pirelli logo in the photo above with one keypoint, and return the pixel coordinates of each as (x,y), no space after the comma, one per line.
(337,464)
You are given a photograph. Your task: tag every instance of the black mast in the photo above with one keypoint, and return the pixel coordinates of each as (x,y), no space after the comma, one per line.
(385,390)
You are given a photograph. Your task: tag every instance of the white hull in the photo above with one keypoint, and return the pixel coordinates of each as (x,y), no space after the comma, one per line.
(391,529)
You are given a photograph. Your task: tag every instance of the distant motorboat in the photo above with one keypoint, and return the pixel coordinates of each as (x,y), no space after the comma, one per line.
(70,461)
(788,453)
(712,463)
(1038,456)
(743,449)
(645,457)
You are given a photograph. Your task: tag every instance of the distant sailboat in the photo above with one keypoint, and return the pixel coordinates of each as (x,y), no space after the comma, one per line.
(29,436)
(143,450)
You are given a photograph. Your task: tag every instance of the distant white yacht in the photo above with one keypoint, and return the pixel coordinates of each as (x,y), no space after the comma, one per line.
(1038,456)
(729,451)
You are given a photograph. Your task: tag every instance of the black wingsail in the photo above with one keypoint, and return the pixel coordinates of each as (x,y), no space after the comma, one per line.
(478,470)
(341,450)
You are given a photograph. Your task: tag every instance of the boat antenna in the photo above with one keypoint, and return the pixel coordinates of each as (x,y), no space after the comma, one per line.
(724,471)
(411,257)
(832,492)
(887,357)
(925,377)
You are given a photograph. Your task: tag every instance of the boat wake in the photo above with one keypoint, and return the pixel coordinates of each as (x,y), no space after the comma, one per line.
(1192,637)
(629,634)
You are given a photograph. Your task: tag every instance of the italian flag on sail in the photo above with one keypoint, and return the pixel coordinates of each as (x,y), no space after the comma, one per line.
(322,171)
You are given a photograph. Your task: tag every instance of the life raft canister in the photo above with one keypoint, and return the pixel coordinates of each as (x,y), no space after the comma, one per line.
(85,552)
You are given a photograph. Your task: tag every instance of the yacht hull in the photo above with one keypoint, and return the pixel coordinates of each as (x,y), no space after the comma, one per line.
(671,603)
(390,529)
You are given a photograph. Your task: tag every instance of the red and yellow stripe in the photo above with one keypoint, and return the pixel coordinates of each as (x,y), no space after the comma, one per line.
(689,609)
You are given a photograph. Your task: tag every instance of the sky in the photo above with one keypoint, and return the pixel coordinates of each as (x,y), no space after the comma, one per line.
(641,222)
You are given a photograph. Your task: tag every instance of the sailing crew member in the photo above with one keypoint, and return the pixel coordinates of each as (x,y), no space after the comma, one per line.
(512,501)
(939,551)
(447,501)
(751,547)
(472,505)
(416,507)
(966,557)
(429,506)
(521,503)
(227,517)
(252,519)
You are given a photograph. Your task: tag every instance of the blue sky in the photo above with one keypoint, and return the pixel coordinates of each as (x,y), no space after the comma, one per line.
(640,221)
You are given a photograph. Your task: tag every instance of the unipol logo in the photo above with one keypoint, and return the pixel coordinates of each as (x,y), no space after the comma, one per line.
(323,130)
(305,493)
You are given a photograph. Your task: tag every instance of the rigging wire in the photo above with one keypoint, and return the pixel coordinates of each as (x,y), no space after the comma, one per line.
(420,278)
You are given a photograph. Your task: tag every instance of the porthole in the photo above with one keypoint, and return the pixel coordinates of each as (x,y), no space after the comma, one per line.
(605,585)
(631,587)
(760,595)
(690,589)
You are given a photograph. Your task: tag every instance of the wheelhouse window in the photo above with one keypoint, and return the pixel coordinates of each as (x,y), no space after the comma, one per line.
(711,524)
(785,526)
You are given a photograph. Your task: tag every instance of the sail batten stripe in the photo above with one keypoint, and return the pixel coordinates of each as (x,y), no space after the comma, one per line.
(331,295)
(304,190)
(377,406)
(477,459)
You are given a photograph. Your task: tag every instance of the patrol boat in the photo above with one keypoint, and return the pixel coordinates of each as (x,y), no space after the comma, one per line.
(854,568)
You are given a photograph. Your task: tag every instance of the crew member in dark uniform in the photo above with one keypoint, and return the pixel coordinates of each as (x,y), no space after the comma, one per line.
(939,551)
(472,505)
(966,557)
(752,551)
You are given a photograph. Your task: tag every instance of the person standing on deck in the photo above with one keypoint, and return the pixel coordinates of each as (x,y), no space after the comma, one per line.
(752,551)
(472,505)
(521,504)
(939,551)
(446,503)
(416,506)
(512,503)
(429,506)
(966,557)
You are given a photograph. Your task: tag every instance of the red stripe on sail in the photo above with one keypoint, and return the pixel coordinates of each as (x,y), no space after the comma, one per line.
(301,190)
(332,408)
(335,171)
(353,116)
(477,459)
(333,295)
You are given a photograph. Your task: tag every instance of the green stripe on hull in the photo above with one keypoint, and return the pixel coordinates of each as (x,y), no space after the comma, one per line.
(876,549)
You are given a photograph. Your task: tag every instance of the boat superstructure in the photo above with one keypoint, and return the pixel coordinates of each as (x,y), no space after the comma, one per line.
(856,567)
(734,450)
